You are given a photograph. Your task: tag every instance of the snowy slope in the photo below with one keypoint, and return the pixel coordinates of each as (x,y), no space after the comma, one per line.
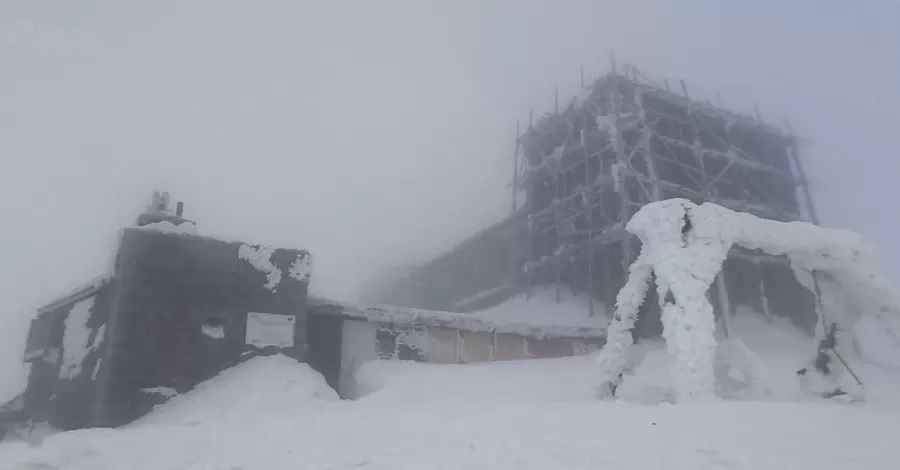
(272,413)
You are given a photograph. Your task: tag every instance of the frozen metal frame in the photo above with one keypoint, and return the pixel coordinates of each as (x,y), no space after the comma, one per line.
(623,142)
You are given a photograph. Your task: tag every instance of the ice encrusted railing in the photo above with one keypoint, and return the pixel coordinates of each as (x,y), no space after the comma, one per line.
(684,246)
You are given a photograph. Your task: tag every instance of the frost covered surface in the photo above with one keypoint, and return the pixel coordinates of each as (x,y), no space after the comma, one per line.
(684,245)
(167,392)
(614,358)
(685,265)
(260,257)
(272,413)
(184,228)
(541,309)
(75,339)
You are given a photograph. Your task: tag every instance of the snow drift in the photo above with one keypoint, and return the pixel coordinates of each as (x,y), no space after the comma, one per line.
(273,413)
(261,384)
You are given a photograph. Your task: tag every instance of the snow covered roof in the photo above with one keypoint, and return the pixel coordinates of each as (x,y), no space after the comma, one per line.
(470,322)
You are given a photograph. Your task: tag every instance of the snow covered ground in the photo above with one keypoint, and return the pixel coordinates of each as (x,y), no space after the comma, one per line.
(272,413)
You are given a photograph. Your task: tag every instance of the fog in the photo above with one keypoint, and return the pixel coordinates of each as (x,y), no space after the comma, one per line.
(377,134)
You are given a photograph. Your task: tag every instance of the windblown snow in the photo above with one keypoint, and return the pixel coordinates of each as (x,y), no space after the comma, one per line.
(273,413)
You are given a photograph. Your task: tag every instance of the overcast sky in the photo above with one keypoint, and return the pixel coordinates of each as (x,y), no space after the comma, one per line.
(378,133)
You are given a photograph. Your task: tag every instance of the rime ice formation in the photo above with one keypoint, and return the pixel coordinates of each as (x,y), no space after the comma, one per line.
(185,228)
(76,339)
(684,246)
(260,257)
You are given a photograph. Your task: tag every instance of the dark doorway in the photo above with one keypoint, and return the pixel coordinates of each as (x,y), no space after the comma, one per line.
(324,333)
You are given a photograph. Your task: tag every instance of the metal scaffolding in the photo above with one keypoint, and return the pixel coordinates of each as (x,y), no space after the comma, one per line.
(623,142)
(586,167)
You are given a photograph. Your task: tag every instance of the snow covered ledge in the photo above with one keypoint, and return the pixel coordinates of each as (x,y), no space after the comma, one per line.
(684,245)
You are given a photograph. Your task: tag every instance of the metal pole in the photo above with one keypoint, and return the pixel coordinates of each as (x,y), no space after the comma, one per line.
(589,219)
(556,98)
(515,175)
(529,198)
(801,174)
(513,244)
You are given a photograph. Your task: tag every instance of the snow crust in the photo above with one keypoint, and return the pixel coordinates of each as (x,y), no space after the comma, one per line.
(167,227)
(260,257)
(75,339)
(684,246)
(273,413)
(261,386)
(541,308)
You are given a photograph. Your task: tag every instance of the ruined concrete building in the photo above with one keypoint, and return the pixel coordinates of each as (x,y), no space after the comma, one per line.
(588,167)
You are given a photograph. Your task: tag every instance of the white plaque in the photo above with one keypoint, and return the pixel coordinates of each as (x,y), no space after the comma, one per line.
(270,329)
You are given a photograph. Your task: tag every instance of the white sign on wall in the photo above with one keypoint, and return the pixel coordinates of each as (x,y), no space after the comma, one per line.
(270,329)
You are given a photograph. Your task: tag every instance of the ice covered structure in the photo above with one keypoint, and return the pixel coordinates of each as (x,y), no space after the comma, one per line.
(683,249)
(174,309)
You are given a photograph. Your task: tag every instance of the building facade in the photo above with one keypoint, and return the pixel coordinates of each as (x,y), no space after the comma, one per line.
(176,309)
(587,168)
